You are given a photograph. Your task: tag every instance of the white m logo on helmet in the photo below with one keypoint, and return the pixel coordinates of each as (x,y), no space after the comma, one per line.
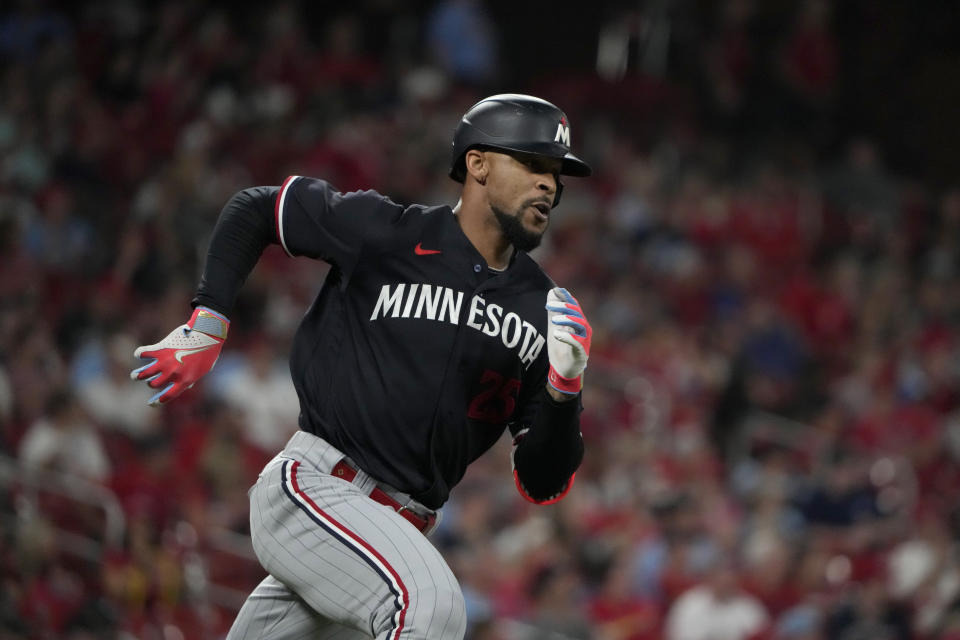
(563,132)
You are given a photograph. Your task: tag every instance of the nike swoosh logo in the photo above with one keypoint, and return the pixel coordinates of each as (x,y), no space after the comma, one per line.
(180,354)
(420,251)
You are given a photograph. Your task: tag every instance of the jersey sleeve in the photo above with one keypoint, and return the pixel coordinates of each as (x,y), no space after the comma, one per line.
(547,444)
(547,447)
(313,219)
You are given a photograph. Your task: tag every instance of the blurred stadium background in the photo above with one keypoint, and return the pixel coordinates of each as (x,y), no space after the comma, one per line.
(769,254)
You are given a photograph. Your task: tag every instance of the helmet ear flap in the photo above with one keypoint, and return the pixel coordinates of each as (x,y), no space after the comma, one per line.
(459,169)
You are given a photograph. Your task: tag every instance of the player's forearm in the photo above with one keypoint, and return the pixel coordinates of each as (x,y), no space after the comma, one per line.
(551,450)
(559,396)
(244,229)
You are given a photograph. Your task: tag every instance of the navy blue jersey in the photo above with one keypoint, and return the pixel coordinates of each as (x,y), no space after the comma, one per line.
(415,355)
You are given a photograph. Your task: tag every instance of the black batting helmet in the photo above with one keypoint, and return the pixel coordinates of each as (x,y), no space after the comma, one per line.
(516,122)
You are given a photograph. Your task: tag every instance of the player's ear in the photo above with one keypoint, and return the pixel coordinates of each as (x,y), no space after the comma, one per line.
(478,165)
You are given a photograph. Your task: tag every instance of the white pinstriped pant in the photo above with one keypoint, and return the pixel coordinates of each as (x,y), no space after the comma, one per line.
(341,565)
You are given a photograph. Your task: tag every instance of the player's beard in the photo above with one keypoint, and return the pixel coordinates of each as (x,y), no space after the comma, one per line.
(513,230)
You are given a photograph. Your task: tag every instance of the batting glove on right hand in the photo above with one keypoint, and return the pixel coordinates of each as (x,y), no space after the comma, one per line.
(184,356)
(568,341)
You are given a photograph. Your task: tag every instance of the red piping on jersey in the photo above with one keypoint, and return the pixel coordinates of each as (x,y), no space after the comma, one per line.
(360,542)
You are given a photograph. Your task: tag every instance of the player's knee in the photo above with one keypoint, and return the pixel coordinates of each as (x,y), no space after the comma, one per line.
(449,601)
(436,612)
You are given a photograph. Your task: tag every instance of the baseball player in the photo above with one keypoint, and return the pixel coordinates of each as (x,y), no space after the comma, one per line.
(433,332)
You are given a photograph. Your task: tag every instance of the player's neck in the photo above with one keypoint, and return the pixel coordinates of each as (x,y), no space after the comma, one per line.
(485,234)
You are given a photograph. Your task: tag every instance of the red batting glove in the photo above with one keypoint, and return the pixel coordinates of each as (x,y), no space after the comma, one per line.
(568,341)
(184,356)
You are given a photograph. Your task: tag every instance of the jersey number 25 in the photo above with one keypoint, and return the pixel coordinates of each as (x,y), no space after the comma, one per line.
(496,402)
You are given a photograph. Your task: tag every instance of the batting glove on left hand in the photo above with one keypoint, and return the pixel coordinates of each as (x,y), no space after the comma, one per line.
(568,341)
(184,356)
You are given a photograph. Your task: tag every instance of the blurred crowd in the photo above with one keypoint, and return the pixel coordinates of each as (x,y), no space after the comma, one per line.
(771,407)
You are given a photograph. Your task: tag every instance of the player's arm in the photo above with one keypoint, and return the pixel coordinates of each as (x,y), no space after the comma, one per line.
(243,230)
(548,452)
(307,217)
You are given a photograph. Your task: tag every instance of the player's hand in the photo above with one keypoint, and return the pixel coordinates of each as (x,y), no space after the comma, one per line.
(568,341)
(184,356)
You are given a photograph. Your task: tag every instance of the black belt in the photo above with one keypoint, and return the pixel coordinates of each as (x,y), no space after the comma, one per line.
(423,523)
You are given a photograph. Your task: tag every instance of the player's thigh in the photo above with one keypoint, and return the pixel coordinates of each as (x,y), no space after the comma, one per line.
(352,560)
(273,612)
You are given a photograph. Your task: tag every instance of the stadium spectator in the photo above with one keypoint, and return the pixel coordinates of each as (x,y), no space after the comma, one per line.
(63,440)
(716,608)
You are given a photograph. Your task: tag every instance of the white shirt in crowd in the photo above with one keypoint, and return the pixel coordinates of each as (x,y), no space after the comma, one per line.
(74,449)
(699,615)
(267,402)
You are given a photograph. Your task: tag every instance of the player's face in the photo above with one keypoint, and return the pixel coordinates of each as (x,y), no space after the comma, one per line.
(521,189)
